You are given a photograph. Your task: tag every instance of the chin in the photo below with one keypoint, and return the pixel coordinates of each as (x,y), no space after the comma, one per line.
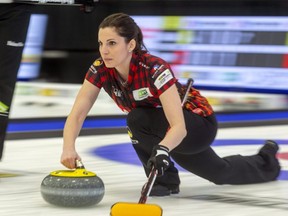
(109,65)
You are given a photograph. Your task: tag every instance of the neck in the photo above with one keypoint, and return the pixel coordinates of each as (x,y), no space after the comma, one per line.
(123,70)
(123,76)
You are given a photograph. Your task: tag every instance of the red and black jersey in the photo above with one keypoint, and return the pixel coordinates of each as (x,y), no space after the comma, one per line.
(148,78)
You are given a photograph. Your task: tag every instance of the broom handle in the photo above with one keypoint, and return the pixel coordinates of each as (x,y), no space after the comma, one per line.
(190,82)
(153,174)
(148,186)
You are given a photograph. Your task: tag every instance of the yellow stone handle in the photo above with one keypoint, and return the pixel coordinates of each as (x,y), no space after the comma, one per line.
(80,171)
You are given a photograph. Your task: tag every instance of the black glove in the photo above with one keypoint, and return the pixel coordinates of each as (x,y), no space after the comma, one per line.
(160,159)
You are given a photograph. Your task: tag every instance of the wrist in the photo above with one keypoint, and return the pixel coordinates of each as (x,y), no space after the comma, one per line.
(161,150)
(165,148)
(68,148)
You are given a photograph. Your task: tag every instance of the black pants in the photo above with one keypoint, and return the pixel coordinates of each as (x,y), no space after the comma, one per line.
(149,126)
(14,20)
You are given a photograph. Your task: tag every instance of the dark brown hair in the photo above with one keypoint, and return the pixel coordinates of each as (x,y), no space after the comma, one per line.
(126,27)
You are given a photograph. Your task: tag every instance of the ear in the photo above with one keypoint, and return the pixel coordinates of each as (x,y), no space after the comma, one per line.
(132,45)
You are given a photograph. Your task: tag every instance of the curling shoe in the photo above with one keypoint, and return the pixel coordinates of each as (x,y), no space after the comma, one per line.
(270,147)
(268,152)
(164,190)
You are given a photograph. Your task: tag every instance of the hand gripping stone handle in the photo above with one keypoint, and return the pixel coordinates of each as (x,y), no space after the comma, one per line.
(79,164)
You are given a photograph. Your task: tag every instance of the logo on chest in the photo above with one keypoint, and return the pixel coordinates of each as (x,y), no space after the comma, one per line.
(117,92)
(141,94)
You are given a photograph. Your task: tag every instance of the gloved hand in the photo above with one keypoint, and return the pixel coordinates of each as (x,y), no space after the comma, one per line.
(160,159)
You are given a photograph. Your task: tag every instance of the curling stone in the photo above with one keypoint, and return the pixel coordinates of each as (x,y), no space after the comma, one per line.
(72,188)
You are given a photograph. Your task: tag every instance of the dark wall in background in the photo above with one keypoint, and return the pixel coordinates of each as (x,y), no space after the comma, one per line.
(73,33)
(71,42)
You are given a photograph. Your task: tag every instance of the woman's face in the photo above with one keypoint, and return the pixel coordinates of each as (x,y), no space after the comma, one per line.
(114,50)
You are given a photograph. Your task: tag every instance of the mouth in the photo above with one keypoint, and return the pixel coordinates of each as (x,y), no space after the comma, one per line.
(108,62)
(107,59)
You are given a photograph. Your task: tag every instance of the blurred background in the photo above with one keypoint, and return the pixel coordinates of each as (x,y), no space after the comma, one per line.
(236,51)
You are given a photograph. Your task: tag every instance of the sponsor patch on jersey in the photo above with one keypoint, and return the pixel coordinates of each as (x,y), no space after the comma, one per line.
(117,92)
(157,69)
(163,78)
(97,63)
(141,94)
(92,69)
(143,65)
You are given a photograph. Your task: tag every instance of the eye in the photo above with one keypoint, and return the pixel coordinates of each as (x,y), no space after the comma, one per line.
(111,43)
(100,43)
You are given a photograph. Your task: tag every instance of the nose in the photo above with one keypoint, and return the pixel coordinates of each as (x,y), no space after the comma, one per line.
(104,49)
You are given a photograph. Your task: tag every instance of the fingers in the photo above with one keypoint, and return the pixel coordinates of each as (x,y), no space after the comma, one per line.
(69,161)
(151,163)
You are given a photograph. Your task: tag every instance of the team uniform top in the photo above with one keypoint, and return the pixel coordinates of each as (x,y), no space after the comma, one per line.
(149,76)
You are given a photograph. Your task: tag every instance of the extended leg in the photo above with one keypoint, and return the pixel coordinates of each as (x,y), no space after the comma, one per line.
(235,169)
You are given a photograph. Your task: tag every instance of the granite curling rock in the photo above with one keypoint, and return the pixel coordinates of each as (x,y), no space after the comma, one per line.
(73,188)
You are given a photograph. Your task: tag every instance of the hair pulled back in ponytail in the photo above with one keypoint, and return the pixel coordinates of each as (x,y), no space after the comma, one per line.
(126,27)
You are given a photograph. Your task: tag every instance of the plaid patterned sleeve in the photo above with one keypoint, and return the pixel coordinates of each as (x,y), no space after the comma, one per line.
(163,78)
(93,73)
(162,75)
